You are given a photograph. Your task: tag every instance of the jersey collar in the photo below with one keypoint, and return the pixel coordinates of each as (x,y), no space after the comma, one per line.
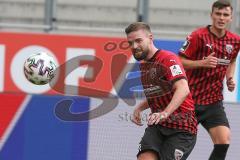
(154,56)
(208,27)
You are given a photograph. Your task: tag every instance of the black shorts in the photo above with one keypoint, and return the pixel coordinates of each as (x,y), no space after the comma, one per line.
(211,115)
(167,143)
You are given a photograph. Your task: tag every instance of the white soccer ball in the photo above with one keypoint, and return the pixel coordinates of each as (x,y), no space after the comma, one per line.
(39,68)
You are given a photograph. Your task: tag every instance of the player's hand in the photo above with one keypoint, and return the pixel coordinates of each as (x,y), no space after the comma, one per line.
(230,84)
(210,61)
(137,117)
(155,118)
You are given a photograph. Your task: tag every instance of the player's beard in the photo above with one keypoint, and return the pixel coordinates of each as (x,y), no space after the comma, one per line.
(140,54)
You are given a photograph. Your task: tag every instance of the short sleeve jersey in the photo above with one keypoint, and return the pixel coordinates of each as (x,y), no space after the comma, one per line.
(206,84)
(158,76)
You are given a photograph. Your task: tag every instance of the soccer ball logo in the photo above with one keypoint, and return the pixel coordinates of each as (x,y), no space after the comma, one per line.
(39,68)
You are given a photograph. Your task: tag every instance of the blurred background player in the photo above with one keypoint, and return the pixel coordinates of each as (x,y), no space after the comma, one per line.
(208,55)
(171,131)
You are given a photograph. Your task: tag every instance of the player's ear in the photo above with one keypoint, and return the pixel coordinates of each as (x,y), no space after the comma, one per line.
(150,36)
(211,15)
(231,18)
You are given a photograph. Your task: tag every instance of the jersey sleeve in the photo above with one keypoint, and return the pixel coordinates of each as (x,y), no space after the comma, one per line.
(175,70)
(189,47)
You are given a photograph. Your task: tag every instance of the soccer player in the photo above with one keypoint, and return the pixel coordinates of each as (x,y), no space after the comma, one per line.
(208,55)
(171,131)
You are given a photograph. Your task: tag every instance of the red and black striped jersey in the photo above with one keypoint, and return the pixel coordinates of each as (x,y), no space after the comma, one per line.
(158,76)
(206,84)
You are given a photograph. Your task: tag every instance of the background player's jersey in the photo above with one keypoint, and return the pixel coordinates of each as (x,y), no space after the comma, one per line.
(158,77)
(206,83)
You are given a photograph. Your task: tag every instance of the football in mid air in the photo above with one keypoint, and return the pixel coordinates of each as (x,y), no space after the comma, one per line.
(39,68)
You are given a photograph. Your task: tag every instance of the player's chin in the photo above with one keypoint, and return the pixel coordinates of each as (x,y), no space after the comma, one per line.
(138,56)
(222,26)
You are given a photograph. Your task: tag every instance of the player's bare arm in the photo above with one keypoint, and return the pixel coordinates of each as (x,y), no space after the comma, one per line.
(229,76)
(137,112)
(181,91)
(207,62)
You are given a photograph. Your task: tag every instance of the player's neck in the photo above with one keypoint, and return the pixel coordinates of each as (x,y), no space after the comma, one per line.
(152,52)
(217,32)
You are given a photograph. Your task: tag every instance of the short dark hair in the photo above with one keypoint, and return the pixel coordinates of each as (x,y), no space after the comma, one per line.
(137,26)
(220,4)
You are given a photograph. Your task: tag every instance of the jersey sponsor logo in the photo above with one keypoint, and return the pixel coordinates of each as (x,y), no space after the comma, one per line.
(176,70)
(223,61)
(178,154)
(153,90)
(229,48)
(185,46)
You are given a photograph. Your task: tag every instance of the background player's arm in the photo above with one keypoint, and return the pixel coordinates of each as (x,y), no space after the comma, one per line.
(137,112)
(190,48)
(229,75)
(207,62)
(181,91)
